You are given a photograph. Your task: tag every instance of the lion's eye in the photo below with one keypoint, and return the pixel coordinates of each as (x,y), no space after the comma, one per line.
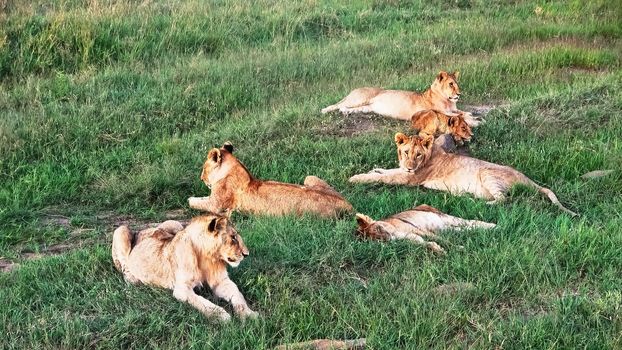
(234,239)
(451,84)
(419,156)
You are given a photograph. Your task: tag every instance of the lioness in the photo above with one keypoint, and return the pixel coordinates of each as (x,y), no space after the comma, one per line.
(441,96)
(172,257)
(423,220)
(234,188)
(433,123)
(430,167)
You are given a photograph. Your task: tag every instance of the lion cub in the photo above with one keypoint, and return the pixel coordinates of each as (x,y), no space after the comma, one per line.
(421,164)
(172,257)
(442,96)
(423,220)
(234,188)
(433,123)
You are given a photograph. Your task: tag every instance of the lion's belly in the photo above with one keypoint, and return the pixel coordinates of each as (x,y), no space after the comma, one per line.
(143,264)
(458,183)
(394,104)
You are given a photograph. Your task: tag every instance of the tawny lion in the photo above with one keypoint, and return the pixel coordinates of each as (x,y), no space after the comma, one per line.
(433,123)
(421,164)
(234,188)
(172,257)
(399,104)
(423,220)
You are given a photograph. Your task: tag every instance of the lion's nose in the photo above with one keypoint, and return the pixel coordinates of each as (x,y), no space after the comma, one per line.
(457,93)
(245,252)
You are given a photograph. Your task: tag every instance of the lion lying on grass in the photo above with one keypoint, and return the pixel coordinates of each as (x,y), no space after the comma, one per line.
(234,188)
(423,220)
(399,104)
(172,257)
(421,164)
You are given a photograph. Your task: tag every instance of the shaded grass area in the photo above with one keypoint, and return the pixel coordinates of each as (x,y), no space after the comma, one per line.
(110,107)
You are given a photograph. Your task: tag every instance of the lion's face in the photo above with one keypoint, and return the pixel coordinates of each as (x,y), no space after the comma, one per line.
(369,228)
(446,84)
(229,245)
(460,130)
(413,152)
(218,164)
(233,250)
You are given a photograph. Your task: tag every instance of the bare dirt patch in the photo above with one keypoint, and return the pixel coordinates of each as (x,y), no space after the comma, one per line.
(7,265)
(348,126)
(355,124)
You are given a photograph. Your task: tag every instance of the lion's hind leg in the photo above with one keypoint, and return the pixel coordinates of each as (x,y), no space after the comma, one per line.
(493,185)
(121,248)
(171,226)
(316,182)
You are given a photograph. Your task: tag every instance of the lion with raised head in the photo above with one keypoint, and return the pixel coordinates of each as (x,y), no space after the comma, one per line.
(421,164)
(172,257)
(234,188)
(433,123)
(399,104)
(423,220)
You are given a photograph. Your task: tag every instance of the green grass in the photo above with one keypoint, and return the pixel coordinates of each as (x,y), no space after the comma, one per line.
(107,110)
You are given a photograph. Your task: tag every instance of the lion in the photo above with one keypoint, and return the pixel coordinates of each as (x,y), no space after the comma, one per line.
(421,164)
(423,220)
(399,104)
(234,188)
(172,257)
(433,123)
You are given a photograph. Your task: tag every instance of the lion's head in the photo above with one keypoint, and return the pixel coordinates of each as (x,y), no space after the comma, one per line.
(369,228)
(413,151)
(460,130)
(228,245)
(218,164)
(446,84)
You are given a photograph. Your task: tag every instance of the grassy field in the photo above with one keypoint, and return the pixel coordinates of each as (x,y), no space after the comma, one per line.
(108,108)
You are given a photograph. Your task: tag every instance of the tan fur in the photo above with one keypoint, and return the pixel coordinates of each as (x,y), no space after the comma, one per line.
(171,257)
(441,96)
(423,220)
(433,123)
(421,164)
(234,188)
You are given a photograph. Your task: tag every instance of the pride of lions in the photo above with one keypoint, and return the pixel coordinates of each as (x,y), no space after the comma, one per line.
(181,258)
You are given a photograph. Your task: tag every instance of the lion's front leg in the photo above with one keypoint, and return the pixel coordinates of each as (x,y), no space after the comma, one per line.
(470,119)
(184,293)
(204,204)
(388,176)
(372,176)
(228,290)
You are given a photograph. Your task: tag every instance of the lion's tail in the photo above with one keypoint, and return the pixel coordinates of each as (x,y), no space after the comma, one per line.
(121,247)
(555,201)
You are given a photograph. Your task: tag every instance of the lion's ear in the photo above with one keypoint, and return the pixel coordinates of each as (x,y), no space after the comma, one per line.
(400,138)
(441,75)
(456,75)
(217,225)
(214,155)
(228,146)
(453,121)
(363,220)
(427,141)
